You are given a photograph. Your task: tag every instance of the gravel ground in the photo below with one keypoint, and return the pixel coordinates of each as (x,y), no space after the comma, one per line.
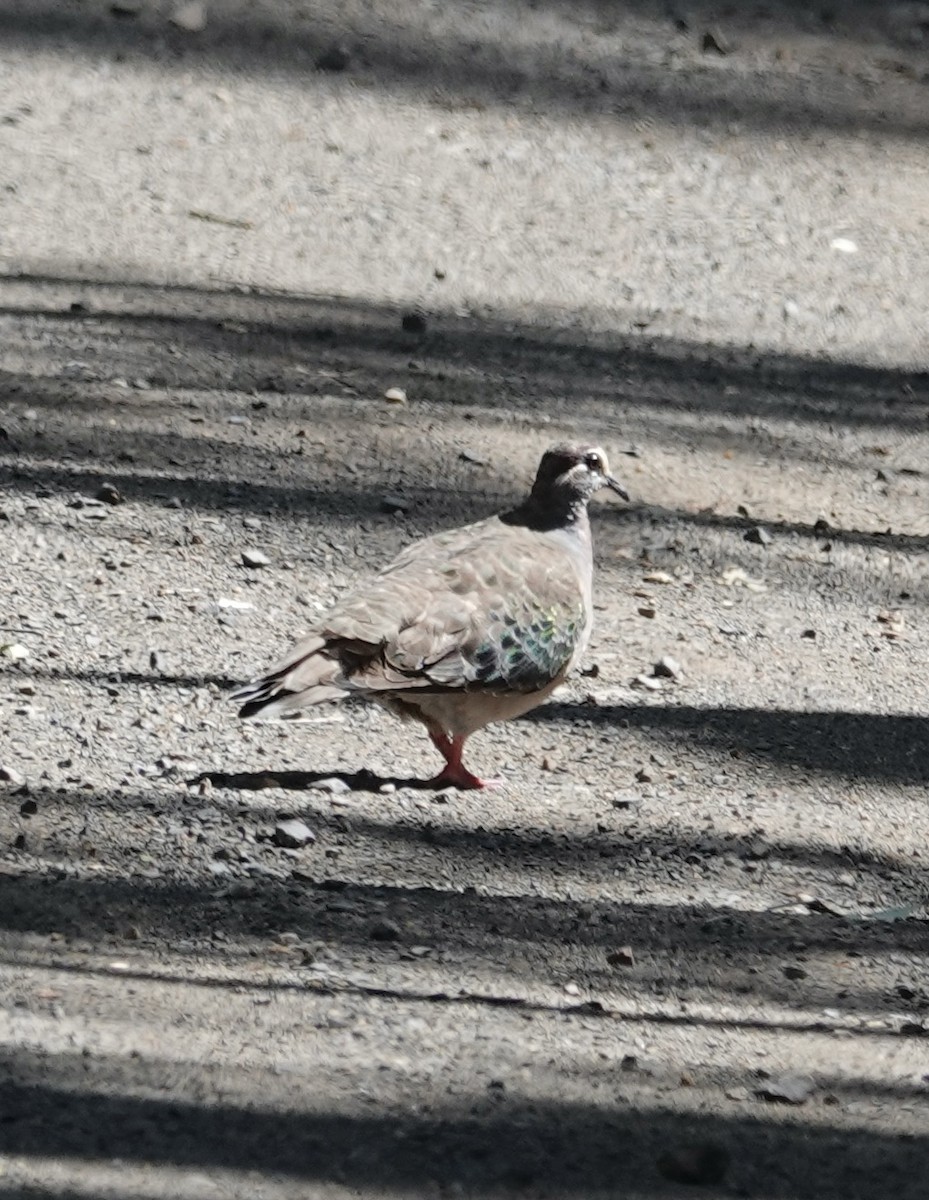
(686,945)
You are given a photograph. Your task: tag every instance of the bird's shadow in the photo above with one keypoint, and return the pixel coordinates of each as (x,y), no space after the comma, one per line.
(323,781)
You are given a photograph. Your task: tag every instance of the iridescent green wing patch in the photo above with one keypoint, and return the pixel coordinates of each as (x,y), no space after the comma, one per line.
(526,654)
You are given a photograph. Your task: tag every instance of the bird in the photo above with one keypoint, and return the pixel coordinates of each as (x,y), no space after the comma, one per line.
(466,627)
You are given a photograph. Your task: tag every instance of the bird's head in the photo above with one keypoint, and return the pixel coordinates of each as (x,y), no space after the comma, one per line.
(574,473)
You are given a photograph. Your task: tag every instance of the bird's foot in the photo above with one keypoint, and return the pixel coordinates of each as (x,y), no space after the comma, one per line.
(455,773)
(460,777)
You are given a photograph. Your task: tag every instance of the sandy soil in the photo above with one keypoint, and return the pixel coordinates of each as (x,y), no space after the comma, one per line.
(686,945)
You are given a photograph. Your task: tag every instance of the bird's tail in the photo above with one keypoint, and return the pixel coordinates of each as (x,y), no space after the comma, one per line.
(309,675)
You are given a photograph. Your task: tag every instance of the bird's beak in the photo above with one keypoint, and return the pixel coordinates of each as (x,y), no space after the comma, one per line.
(615,486)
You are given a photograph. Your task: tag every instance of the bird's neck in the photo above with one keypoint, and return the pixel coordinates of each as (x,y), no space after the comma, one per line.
(567,512)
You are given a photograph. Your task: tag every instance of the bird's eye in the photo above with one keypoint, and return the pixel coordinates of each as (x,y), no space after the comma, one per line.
(594,462)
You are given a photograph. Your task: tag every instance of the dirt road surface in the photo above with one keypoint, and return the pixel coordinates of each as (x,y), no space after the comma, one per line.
(684,950)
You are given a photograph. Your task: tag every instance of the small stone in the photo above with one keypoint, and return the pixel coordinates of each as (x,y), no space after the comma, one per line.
(844,245)
(170,766)
(234,605)
(11,775)
(738,577)
(28,808)
(109,493)
(191,17)
(14,651)
(787,1089)
(336,58)
(623,957)
(394,504)
(647,611)
(293,834)
(894,622)
(759,536)
(252,523)
(702,1164)
(332,783)
(713,42)
(469,456)
(648,682)
(255,558)
(794,972)
(668,667)
(413,322)
(395,395)
(384,931)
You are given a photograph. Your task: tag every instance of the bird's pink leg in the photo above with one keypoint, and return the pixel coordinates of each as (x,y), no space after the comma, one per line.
(455,773)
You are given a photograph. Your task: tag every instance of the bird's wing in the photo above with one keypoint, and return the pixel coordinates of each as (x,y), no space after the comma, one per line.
(490,607)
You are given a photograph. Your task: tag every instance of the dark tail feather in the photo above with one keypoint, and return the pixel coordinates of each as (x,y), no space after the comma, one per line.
(258,693)
(253,708)
(308,676)
(266,697)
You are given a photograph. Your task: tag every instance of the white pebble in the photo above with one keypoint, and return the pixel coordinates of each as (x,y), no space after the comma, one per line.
(190,17)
